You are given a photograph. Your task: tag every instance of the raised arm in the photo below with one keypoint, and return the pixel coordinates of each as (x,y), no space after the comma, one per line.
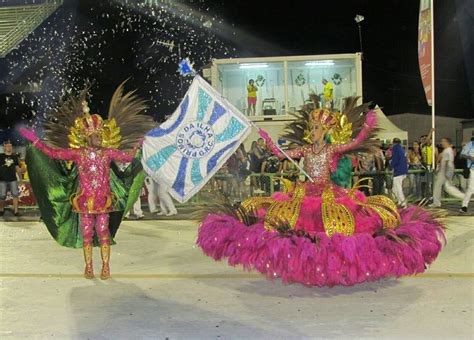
(293,153)
(124,157)
(369,125)
(54,153)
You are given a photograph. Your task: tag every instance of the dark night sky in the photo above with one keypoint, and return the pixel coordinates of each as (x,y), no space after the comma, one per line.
(259,28)
(390,69)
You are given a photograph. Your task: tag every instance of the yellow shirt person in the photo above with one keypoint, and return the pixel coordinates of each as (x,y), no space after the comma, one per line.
(328,90)
(251,97)
(252,91)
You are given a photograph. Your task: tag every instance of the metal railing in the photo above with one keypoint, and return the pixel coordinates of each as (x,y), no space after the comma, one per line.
(266,184)
(16,23)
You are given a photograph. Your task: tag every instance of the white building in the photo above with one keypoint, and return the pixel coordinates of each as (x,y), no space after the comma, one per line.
(420,124)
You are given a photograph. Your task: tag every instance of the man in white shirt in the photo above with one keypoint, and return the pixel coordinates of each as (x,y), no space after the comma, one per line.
(468,153)
(444,174)
(159,190)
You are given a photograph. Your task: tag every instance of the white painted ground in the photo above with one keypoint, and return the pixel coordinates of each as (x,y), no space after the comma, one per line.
(163,287)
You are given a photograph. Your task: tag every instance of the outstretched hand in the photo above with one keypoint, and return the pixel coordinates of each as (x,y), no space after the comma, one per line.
(28,134)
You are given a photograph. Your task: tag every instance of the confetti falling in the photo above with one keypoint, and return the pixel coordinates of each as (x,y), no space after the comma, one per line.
(105,43)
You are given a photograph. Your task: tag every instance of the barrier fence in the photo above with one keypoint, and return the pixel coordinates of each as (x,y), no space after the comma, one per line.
(417,186)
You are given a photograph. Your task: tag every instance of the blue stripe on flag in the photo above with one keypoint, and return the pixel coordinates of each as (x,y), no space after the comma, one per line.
(203,103)
(158,159)
(196,176)
(211,164)
(232,130)
(159,132)
(217,112)
(180,181)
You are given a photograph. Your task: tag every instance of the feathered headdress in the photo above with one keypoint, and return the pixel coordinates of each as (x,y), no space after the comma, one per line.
(72,122)
(340,127)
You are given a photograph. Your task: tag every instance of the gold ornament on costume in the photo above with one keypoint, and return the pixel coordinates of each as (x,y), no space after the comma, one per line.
(88,125)
(285,212)
(278,213)
(341,129)
(381,205)
(337,126)
(336,217)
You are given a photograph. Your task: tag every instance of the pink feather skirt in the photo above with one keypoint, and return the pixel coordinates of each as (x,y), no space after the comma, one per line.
(316,259)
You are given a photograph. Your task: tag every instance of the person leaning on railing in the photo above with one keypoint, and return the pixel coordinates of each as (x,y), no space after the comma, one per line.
(427,154)
(257,156)
(415,159)
(379,176)
(366,167)
(289,170)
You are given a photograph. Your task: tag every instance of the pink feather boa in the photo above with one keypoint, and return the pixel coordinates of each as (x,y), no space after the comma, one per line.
(332,261)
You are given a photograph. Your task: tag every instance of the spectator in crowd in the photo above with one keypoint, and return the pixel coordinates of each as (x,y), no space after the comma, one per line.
(428,163)
(328,94)
(444,174)
(460,163)
(159,190)
(468,154)
(387,150)
(289,169)
(415,162)
(257,156)
(379,176)
(271,165)
(220,183)
(399,165)
(366,167)
(23,170)
(237,166)
(9,175)
(136,209)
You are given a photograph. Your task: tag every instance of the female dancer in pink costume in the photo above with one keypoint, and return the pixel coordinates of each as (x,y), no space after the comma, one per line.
(94,145)
(94,199)
(319,233)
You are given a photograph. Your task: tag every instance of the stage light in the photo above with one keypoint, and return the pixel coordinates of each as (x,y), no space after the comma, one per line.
(320,63)
(256,65)
(359,18)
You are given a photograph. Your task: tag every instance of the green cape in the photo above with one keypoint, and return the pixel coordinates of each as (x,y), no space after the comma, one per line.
(53,184)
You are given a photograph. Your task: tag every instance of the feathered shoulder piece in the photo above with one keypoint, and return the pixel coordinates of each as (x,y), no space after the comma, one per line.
(72,122)
(341,127)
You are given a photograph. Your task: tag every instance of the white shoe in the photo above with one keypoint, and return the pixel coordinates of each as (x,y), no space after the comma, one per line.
(172,213)
(258,192)
(160,213)
(432,205)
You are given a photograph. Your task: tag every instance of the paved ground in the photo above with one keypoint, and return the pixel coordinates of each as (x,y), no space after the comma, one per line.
(163,287)
(184,211)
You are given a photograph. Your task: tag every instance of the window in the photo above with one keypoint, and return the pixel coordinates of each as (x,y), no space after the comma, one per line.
(268,79)
(305,77)
(283,86)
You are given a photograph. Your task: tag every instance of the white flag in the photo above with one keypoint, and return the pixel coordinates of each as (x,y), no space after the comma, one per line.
(187,149)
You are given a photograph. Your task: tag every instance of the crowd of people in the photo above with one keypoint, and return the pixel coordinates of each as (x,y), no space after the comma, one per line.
(405,173)
(390,170)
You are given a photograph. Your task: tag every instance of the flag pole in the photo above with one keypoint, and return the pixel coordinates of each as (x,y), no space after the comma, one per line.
(285,154)
(433,85)
(251,123)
